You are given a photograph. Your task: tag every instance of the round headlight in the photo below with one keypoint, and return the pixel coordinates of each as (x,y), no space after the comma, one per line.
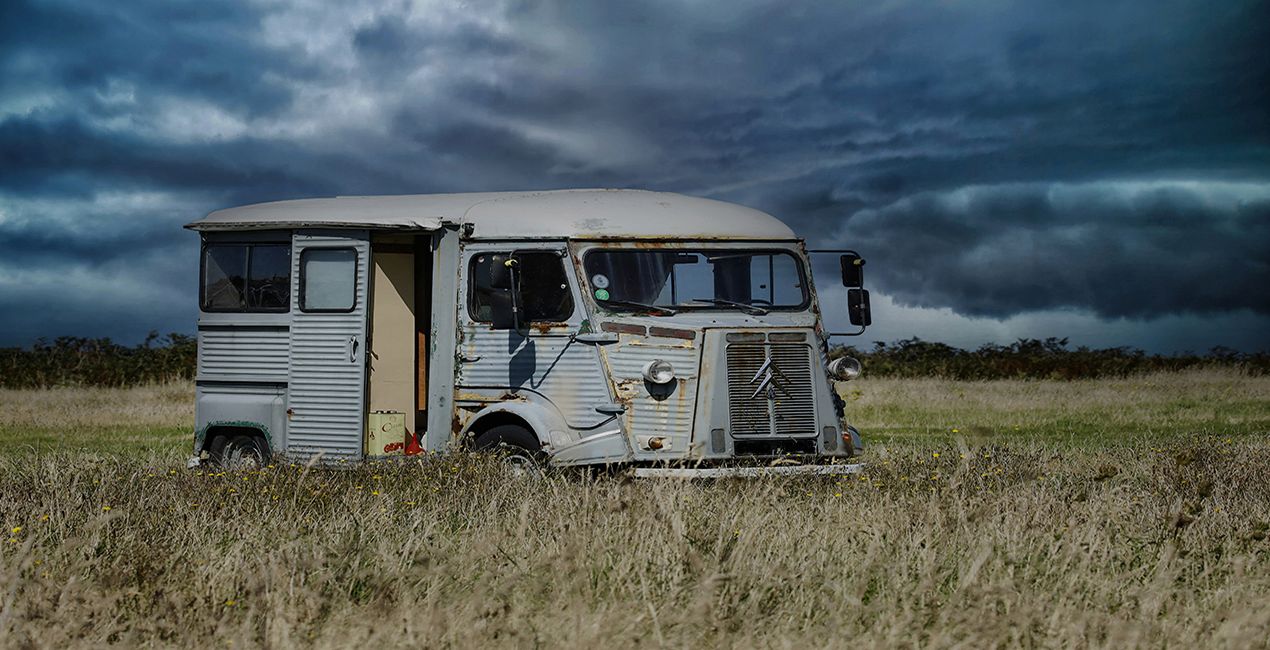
(844,368)
(659,371)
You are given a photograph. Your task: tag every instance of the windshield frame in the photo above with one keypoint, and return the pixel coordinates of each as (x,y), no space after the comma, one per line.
(766,248)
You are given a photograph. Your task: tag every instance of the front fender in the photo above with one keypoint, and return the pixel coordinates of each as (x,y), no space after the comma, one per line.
(543,421)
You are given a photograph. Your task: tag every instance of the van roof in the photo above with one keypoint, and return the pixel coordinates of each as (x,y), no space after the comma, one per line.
(555,214)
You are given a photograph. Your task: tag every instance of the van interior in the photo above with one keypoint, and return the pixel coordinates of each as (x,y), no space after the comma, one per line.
(400,322)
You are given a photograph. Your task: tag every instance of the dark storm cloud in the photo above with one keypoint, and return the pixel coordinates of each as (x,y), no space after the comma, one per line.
(1120,250)
(66,157)
(206,50)
(892,126)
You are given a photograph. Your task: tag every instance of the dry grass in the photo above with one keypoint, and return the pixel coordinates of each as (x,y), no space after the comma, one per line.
(1101,411)
(992,542)
(144,418)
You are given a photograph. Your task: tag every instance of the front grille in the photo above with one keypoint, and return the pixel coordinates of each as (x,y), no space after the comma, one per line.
(770,389)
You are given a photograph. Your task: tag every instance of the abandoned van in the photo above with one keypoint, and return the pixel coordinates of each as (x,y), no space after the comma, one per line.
(575,327)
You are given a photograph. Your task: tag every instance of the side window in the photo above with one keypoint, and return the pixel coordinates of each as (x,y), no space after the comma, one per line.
(246,278)
(544,287)
(328,279)
(775,280)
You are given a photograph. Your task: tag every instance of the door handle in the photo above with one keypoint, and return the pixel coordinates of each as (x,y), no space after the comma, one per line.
(352,349)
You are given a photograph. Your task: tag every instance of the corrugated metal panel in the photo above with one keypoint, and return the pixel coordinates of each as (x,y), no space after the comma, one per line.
(248,352)
(327,383)
(566,373)
(645,414)
(771,391)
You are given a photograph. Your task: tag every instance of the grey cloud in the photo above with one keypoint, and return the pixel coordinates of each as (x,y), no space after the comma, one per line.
(824,115)
(212,51)
(1114,249)
(65,157)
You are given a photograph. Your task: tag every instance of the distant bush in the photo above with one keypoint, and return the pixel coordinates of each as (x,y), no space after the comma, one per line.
(1035,359)
(72,361)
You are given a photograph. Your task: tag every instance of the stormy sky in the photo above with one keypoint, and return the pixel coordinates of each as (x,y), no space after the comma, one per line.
(1097,170)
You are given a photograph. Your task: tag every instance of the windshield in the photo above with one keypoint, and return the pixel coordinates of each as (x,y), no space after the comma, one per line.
(668,280)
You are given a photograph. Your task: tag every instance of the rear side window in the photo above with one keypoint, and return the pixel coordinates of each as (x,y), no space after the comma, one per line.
(544,289)
(246,278)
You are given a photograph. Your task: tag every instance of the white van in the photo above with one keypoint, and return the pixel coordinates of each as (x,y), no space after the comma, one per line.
(675,334)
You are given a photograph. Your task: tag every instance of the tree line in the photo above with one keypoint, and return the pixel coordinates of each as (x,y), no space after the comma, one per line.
(1050,358)
(75,361)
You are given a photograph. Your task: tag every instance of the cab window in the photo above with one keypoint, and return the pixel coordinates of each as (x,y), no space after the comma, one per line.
(544,287)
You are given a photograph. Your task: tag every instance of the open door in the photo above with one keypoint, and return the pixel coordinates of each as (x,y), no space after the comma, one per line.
(326,390)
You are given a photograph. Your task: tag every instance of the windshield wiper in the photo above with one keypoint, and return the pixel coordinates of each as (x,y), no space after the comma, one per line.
(631,303)
(753,309)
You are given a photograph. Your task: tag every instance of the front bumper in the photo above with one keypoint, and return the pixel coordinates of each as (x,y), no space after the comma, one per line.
(747,472)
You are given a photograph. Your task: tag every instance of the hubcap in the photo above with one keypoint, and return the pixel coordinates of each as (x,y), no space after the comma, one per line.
(240,459)
(521,466)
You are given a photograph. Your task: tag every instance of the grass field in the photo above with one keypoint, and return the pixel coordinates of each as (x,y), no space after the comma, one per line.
(1108,513)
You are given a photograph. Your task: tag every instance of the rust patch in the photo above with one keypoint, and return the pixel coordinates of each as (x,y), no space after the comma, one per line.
(486,398)
(627,389)
(671,332)
(623,328)
(545,327)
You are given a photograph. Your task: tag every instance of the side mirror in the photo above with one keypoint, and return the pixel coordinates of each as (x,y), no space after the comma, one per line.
(852,270)
(858,307)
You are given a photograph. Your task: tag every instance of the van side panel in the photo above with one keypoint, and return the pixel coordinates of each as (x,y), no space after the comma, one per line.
(242,363)
(249,353)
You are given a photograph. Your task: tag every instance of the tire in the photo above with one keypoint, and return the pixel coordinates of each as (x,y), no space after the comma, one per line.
(240,452)
(518,447)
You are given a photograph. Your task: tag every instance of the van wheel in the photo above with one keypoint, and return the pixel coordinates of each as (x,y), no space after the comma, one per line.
(518,448)
(240,453)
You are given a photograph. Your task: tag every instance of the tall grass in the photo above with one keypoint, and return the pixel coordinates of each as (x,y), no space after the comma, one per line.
(1144,537)
(973,547)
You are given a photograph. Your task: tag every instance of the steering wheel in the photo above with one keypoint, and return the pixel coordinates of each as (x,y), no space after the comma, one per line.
(272,290)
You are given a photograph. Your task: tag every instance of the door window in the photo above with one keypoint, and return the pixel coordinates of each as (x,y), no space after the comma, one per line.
(544,287)
(328,279)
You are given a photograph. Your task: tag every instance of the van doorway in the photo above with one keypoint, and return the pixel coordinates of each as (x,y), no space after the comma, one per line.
(401,299)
